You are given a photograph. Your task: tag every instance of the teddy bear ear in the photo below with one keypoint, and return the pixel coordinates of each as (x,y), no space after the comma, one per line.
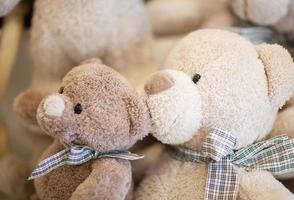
(140,123)
(279,69)
(92,60)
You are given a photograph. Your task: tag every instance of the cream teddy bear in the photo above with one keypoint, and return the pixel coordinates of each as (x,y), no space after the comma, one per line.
(276,13)
(96,116)
(64,33)
(219,98)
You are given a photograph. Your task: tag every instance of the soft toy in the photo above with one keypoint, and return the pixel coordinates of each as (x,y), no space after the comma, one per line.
(95,118)
(64,33)
(169,17)
(214,105)
(276,13)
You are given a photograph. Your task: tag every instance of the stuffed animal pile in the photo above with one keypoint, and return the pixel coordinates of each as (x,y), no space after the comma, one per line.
(218,112)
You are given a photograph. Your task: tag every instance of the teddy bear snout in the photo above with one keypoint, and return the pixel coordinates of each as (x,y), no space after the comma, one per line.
(54,106)
(159,82)
(175,107)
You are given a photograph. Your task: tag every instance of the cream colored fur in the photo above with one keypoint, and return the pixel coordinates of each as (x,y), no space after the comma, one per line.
(170,17)
(180,109)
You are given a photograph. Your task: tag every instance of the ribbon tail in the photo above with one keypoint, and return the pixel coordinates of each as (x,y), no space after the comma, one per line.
(222,181)
(49,164)
(125,156)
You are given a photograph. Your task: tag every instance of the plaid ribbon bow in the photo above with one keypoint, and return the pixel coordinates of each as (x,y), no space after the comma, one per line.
(77,155)
(275,155)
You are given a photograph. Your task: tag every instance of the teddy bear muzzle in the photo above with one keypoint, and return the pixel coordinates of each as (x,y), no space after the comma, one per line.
(174,101)
(54,106)
(55,115)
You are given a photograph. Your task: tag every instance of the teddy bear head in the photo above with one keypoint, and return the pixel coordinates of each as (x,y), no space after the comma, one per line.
(219,80)
(96,107)
(262,12)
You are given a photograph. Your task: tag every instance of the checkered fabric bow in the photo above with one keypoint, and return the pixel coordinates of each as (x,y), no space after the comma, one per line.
(77,155)
(275,155)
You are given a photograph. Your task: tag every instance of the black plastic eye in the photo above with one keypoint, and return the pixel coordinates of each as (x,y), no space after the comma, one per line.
(78,108)
(61,90)
(196,78)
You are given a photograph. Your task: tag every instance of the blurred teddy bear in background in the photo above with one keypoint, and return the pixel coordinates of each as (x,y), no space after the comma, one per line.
(64,33)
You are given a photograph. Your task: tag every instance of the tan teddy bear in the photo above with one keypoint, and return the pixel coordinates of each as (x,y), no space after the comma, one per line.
(219,98)
(276,13)
(98,115)
(64,33)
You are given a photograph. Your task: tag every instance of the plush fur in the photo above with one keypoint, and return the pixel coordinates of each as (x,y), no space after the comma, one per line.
(169,17)
(278,14)
(64,33)
(240,89)
(179,111)
(113,117)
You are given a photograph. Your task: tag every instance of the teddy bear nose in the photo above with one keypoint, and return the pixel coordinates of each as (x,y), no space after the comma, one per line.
(54,106)
(159,82)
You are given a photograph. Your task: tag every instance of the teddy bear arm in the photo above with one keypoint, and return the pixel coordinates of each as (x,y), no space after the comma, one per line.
(284,123)
(262,185)
(109,179)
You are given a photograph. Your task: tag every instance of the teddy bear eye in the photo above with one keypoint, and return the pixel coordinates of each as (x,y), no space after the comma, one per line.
(78,108)
(196,78)
(61,89)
